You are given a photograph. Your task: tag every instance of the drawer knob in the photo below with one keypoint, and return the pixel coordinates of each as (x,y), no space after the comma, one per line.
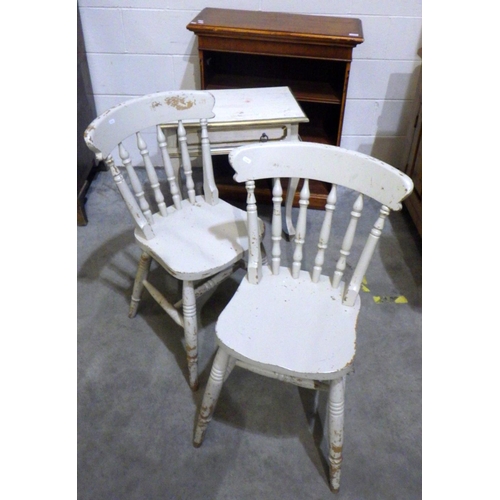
(264,137)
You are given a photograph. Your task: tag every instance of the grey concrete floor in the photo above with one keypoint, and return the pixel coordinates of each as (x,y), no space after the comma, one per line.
(136,413)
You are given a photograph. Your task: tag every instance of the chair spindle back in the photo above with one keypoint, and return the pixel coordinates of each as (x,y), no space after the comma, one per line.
(366,176)
(109,132)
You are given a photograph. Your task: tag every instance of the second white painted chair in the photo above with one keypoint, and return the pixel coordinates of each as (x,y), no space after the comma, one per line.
(197,238)
(288,323)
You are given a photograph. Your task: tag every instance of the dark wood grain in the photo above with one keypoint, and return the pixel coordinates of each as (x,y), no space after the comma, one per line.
(283,26)
(309,54)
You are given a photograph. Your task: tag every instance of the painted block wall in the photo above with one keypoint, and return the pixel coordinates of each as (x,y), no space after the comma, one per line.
(137,47)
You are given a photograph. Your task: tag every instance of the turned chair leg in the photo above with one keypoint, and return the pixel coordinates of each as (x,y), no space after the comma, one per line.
(212,392)
(142,274)
(336,430)
(190,331)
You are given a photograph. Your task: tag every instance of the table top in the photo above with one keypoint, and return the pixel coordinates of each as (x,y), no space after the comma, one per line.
(319,29)
(254,105)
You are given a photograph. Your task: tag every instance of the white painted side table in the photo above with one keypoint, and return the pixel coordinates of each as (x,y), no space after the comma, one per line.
(243,116)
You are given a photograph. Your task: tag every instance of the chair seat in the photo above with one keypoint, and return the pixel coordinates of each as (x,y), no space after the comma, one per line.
(290,326)
(199,240)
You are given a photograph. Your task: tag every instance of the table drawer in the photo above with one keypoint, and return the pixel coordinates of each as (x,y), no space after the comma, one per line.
(223,138)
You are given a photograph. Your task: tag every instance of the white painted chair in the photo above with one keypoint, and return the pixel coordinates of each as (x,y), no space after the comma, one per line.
(288,323)
(197,238)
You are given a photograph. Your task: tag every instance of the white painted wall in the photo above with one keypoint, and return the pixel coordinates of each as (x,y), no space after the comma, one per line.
(141,46)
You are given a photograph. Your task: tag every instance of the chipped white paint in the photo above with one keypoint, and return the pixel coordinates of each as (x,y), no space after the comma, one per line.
(186,161)
(325,233)
(331,164)
(194,239)
(125,119)
(169,169)
(276,226)
(294,325)
(245,106)
(364,259)
(209,187)
(336,430)
(254,271)
(345,250)
(139,218)
(153,178)
(300,237)
(142,272)
(136,183)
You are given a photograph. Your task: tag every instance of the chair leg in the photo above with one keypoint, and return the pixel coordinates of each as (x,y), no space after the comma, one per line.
(190,331)
(212,392)
(142,274)
(336,430)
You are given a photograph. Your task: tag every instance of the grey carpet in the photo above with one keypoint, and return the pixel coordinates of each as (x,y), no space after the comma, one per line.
(136,413)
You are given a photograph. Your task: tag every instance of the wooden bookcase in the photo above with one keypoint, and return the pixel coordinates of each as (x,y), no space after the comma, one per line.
(309,54)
